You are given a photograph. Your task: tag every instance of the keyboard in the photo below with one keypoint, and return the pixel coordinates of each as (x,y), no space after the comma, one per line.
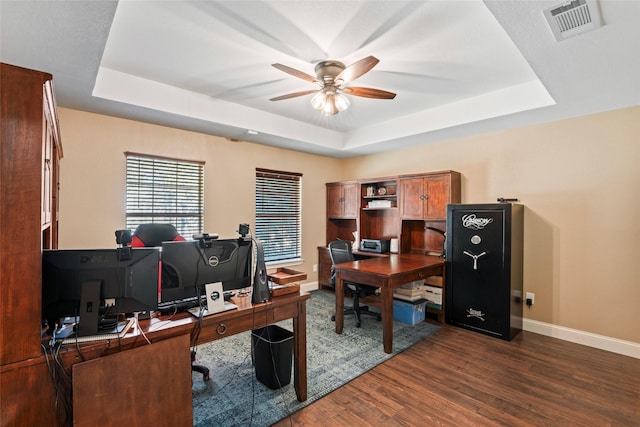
(122,328)
(203,312)
(176,306)
(169,307)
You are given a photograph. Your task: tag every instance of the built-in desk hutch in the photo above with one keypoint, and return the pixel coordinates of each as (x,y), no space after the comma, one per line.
(30,150)
(409,208)
(30,153)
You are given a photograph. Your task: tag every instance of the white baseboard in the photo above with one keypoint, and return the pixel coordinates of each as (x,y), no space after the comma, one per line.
(308,287)
(626,348)
(602,342)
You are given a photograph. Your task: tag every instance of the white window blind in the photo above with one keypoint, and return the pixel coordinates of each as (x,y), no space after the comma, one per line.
(165,191)
(279,214)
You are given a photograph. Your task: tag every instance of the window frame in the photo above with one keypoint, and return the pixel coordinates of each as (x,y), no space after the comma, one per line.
(287,185)
(151,199)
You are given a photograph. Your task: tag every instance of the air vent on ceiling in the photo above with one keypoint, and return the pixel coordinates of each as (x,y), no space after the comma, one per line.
(571,18)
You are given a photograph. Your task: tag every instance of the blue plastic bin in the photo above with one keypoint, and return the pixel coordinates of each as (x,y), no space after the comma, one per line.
(410,312)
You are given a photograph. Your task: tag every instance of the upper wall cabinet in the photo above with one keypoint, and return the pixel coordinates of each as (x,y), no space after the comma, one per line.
(426,196)
(342,199)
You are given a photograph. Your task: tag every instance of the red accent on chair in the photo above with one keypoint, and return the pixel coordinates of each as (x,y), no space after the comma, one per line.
(152,235)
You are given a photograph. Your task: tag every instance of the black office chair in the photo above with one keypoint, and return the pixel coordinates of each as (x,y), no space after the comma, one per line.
(340,251)
(152,235)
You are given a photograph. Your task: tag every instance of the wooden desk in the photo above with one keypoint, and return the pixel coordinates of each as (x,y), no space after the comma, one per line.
(221,325)
(214,327)
(387,274)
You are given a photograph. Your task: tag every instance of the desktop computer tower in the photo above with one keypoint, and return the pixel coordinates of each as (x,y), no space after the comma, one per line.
(484,247)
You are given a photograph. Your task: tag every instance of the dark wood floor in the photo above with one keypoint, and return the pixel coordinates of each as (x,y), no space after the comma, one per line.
(460,378)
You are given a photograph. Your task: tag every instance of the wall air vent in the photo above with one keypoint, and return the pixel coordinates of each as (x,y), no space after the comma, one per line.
(571,18)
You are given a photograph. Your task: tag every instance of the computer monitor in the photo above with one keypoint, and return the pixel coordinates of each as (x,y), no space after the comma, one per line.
(93,283)
(187,266)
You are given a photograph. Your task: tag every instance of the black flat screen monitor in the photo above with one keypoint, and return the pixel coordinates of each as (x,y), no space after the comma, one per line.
(94,283)
(187,266)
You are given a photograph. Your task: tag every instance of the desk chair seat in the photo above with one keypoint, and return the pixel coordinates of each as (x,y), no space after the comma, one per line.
(340,251)
(152,235)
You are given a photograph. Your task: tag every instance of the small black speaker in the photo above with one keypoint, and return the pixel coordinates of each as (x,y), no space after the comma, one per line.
(261,291)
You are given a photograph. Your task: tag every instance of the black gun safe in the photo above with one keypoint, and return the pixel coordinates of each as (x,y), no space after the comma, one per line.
(484,245)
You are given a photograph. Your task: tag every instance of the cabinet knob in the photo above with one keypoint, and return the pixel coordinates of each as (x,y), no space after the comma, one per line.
(423,197)
(221,329)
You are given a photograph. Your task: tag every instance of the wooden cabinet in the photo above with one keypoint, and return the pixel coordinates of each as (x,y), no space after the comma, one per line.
(27,215)
(410,208)
(426,196)
(423,210)
(324,268)
(342,200)
(342,209)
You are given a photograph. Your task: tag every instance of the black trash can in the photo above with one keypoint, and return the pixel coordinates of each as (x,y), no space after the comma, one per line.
(272,355)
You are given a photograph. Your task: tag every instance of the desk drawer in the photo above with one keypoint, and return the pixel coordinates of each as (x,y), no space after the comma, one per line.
(222,329)
(246,322)
(412,276)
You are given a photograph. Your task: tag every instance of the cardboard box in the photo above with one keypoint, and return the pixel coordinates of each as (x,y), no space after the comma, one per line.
(415,285)
(434,280)
(433,294)
(409,312)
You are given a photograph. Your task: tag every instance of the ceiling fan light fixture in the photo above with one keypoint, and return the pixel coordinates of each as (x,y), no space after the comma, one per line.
(318,100)
(333,76)
(341,101)
(330,103)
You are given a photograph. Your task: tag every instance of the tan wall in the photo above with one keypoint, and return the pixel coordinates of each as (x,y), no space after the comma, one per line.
(579,180)
(92,181)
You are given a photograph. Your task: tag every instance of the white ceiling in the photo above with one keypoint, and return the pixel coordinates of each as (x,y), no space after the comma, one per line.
(458,67)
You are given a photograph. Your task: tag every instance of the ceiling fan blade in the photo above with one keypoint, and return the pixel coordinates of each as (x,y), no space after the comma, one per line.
(357,69)
(294,95)
(296,73)
(367,92)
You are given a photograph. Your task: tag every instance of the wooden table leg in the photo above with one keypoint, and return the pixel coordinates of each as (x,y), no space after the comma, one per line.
(387,318)
(339,292)
(300,352)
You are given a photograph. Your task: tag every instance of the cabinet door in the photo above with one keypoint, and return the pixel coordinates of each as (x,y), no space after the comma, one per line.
(411,196)
(47,150)
(342,201)
(334,201)
(436,196)
(350,196)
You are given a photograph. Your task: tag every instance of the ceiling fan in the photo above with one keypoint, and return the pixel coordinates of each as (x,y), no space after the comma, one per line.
(333,77)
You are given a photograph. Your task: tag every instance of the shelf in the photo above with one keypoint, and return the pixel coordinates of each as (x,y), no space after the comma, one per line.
(385,197)
(381,209)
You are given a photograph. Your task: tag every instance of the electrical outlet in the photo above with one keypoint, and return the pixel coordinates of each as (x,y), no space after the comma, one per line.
(530,298)
(315,268)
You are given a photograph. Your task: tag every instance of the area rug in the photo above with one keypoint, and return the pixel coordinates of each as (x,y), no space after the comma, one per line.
(234,397)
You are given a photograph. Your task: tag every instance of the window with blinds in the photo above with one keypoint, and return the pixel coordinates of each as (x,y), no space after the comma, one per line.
(165,191)
(279,214)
